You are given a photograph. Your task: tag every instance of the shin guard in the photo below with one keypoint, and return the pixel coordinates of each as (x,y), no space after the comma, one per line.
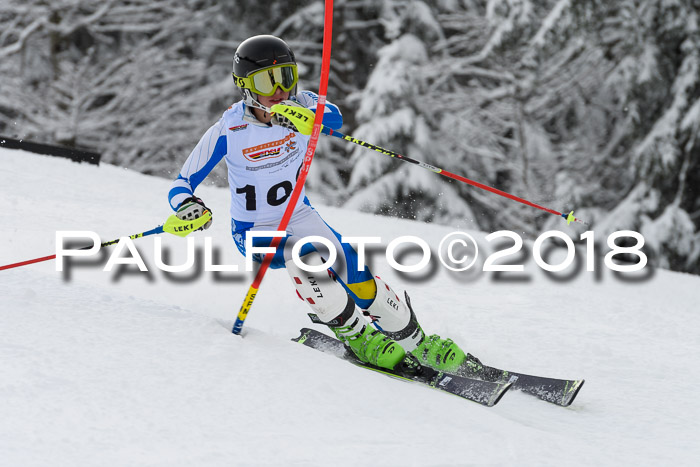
(320,290)
(394,317)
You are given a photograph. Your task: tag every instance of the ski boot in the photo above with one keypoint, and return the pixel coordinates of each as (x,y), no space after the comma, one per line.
(372,347)
(397,320)
(441,354)
(369,345)
(435,352)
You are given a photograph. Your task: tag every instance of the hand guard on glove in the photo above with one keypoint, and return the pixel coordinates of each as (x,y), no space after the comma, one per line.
(281,120)
(193,208)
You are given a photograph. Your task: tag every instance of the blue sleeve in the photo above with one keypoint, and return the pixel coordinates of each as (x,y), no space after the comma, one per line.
(201,161)
(332,117)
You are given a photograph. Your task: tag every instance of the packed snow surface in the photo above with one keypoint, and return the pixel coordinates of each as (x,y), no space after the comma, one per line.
(127,368)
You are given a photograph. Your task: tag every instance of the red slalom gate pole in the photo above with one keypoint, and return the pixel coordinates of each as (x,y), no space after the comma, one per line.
(308,158)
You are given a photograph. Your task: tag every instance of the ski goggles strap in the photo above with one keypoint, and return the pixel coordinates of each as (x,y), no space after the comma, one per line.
(265,82)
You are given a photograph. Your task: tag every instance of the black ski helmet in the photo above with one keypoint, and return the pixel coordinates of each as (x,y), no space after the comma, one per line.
(257,53)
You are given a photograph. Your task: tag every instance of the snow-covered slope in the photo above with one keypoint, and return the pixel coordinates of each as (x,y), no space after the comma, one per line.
(141,369)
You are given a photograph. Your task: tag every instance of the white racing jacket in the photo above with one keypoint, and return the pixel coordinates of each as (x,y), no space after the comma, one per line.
(263,161)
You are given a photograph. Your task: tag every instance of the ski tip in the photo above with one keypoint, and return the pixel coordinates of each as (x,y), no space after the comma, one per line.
(572,392)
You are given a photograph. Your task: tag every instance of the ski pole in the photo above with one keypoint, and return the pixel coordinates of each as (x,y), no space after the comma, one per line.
(314,131)
(568,217)
(302,120)
(172,225)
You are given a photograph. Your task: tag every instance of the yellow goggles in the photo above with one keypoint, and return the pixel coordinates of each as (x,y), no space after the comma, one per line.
(265,82)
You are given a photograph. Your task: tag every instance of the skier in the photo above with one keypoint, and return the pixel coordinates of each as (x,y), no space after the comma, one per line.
(264,154)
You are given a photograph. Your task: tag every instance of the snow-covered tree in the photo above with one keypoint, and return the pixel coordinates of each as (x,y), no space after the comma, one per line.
(647,166)
(588,105)
(139,81)
(390,113)
(572,105)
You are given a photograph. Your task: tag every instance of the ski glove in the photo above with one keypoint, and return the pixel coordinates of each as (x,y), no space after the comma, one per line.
(193,208)
(281,120)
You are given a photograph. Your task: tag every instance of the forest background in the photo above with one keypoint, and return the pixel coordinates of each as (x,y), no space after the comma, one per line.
(573,104)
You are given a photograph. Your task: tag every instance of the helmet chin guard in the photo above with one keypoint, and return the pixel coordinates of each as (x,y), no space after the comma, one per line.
(251,99)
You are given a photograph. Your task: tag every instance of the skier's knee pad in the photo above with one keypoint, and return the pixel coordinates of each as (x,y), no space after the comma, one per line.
(394,317)
(320,290)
